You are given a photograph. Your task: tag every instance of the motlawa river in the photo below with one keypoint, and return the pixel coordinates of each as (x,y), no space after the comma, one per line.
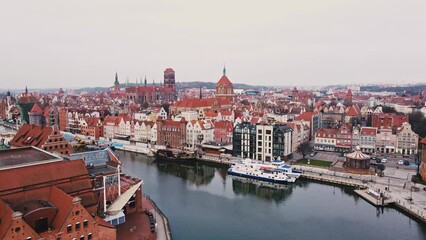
(202,202)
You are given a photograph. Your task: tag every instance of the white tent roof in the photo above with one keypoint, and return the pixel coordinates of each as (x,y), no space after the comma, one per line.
(121,201)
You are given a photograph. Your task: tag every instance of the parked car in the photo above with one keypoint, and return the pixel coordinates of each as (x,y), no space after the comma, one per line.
(313,154)
(378,160)
(374,158)
(401,162)
(341,154)
(384,160)
(406,162)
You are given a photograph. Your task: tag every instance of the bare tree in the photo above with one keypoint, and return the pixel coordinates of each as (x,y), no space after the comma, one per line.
(304,148)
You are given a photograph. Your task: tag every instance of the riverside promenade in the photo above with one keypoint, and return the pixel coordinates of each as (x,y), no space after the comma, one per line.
(396,186)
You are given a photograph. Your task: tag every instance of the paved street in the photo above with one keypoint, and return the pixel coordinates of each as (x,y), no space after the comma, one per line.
(392,162)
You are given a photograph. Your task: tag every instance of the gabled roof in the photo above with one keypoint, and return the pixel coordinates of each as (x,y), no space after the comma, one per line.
(31,135)
(224,80)
(305,116)
(352,111)
(36,109)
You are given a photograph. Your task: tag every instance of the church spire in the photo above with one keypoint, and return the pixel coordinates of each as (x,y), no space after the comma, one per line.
(201,93)
(116,79)
(145,80)
(224,70)
(26,90)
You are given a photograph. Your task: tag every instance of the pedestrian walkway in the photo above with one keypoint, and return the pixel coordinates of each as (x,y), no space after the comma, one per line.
(406,195)
(162,227)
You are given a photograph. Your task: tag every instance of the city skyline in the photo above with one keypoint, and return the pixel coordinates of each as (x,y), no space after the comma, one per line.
(277,43)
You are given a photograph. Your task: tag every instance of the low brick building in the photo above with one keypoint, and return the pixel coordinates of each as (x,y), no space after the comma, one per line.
(49,198)
(46,138)
(171,133)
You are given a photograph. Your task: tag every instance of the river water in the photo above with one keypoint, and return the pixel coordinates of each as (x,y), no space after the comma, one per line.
(202,202)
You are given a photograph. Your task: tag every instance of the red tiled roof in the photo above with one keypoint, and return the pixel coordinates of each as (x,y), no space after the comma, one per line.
(197,103)
(6,215)
(352,111)
(224,80)
(368,131)
(31,135)
(226,113)
(63,202)
(168,70)
(36,109)
(324,132)
(305,116)
(92,121)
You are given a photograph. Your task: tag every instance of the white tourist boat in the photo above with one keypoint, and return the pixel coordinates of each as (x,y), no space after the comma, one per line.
(275,171)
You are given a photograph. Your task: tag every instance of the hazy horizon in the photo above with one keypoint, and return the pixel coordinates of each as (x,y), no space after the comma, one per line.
(73,44)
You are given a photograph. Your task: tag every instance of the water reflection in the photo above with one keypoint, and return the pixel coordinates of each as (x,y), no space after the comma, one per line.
(197,173)
(269,191)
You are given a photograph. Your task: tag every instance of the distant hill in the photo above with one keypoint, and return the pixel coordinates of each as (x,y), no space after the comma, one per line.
(212,85)
(182,85)
(408,89)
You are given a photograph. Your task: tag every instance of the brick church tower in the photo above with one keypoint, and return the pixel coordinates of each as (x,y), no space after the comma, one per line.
(224,88)
(116,84)
(169,78)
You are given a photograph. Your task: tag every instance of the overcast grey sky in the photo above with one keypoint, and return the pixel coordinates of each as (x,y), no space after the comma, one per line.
(53,43)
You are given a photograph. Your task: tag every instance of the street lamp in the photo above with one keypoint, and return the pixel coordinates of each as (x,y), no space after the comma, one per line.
(389,184)
(417,160)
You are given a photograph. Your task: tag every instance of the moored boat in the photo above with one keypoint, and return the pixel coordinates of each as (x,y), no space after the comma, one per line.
(275,171)
(169,155)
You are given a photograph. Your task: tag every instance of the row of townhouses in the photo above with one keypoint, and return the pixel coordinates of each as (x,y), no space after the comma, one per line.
(402,140)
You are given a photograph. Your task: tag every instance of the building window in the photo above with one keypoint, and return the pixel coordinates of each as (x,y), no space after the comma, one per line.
(69,228)
(28,238)
(82,237)
(77,226)
(85,223)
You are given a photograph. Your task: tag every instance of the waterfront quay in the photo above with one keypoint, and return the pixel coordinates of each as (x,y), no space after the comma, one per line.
(396,188)
(199,197)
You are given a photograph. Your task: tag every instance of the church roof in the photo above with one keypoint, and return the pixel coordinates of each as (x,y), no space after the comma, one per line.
(168,70)
(224,80)
(36,109)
